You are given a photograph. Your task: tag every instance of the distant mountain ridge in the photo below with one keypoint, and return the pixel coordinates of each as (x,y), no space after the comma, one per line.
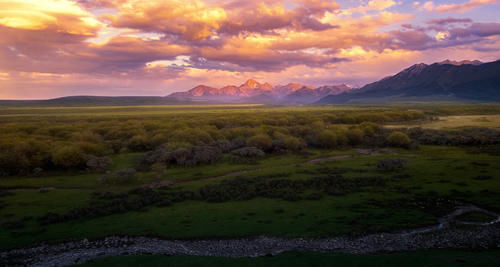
(447,80)
(468,80)
(254,92)
(78,101)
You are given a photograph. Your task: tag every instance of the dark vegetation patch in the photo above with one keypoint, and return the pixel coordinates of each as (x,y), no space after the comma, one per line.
(391,164)
(107,203)
(476,217)
(481,164)
(401,176)
(483,177)
(493,150)
(4,193)
(471,136)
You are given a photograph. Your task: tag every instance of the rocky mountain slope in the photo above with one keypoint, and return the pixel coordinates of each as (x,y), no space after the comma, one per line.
(447,80)
(254,92)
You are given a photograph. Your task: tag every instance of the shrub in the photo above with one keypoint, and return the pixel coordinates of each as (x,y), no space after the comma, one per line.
(91,148)
(224,145)
(327,139)
(369,128)
(192,135)
(98,164)
(342,139)
(483,177)
(123,176)
(159,139)
(391,164)
(69,157)
(159,168)
(87,136)
(279,146)
(398,139)
(246,155)
(293,144)
(185,156)
(355,136)
(206,154)
(139,143)
(261,141)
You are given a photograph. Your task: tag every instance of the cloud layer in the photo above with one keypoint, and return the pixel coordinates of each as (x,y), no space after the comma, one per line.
(114,47)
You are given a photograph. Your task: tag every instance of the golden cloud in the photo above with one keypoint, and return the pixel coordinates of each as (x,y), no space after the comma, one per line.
(192,19)
(61,15)
(307,40)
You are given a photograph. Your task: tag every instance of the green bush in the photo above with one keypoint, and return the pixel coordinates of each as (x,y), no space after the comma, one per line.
(355,136)
(293,143)
(261,141)
(69,156)
(123,176)
(370,128)
(327,139)
(399,139)
(139,143)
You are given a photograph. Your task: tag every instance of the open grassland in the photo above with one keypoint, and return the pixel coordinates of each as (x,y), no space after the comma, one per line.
(244,170)
(433,172)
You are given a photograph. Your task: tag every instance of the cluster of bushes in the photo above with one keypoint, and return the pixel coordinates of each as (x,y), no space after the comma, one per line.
(24,158)
(183,156)
(32,156)
(107,203)
(290,190)
(246,155)
(103,204)
(123,176)
(98,164)
(71,143)
(391,164)
(473,136)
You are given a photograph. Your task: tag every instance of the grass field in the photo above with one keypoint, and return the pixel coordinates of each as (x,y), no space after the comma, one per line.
(403,199)
(433,170)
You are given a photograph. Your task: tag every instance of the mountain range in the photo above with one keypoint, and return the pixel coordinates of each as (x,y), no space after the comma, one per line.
(254,92)
(442,81)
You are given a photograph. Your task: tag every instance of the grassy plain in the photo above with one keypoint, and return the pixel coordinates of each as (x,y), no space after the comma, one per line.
(440,171)
(432,172)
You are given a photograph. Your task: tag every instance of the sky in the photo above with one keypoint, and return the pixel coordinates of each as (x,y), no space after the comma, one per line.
(53,48)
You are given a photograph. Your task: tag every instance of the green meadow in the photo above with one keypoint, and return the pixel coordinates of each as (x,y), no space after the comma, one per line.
(245,170)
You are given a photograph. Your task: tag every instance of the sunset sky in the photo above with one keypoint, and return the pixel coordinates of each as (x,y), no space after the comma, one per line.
(52,48)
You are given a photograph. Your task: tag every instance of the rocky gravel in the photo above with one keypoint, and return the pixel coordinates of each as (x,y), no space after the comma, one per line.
(448,234)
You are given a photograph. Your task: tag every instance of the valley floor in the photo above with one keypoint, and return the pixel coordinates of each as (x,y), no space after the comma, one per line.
(295,206)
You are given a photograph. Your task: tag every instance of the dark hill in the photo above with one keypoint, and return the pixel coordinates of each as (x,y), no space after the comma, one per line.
(101,101)
(467,80)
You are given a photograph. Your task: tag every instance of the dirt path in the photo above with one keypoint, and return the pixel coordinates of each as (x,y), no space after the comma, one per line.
(444,235)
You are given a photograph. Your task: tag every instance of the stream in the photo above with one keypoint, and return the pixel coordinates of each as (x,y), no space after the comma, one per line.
(449,233)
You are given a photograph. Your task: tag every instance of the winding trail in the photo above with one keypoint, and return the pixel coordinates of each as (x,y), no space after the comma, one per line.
(444,235)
